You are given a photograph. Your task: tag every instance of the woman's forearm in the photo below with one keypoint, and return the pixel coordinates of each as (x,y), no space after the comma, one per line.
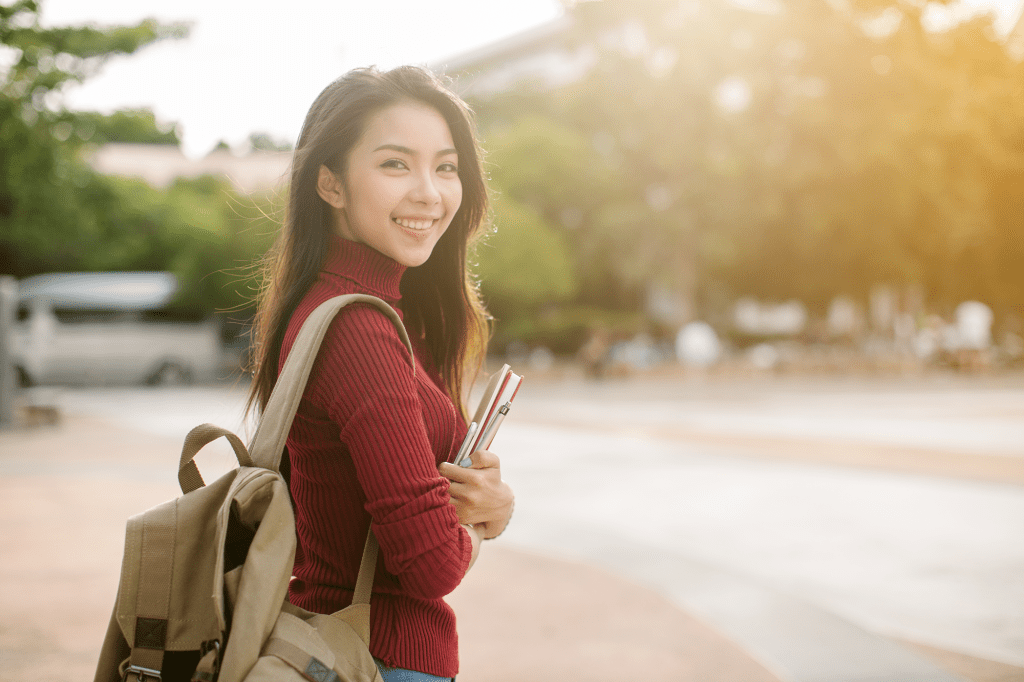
(476,538)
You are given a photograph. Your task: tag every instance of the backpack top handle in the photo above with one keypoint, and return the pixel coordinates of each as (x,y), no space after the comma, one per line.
(188,473)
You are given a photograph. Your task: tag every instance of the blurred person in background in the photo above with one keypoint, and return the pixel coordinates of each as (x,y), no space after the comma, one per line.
(386,194)
(594,353)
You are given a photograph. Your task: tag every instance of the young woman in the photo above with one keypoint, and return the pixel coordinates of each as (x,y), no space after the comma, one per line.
(386,194)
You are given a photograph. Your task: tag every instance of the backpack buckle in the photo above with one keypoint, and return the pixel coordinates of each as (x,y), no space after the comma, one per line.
(208,646)
(208,667)
(141,674)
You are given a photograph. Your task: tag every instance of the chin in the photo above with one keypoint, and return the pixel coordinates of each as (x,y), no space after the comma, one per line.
(413,255)
(412,258)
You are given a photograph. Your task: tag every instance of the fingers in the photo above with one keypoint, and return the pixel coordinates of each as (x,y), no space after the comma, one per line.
(481,459)
(490,503)
(478,493)
(484,459)
(455,474)
(469,501)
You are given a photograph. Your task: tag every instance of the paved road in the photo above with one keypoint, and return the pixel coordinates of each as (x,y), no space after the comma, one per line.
(676,469)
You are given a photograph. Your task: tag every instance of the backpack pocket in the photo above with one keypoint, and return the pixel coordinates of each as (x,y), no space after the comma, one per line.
(322,648)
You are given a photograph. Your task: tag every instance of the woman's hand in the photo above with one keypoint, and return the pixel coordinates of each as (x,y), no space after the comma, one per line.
(478,493)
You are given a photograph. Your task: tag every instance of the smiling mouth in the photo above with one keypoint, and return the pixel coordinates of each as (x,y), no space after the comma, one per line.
(417,225)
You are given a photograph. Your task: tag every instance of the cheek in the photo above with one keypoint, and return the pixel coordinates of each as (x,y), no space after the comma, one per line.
(386,195)
(372,195)
(454,197)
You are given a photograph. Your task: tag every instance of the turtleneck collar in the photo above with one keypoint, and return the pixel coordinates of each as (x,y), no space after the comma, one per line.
(370,269)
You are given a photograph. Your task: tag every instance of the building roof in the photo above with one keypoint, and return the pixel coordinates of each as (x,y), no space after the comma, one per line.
(160,165)
(526,42)
(544,55)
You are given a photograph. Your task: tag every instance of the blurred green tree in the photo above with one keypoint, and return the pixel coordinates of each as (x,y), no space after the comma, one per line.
(135,126)
(45,188)
(777,150)
(57,214)
(524,263)
(198,228)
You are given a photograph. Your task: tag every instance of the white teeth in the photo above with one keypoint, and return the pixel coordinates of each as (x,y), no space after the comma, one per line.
(414,224)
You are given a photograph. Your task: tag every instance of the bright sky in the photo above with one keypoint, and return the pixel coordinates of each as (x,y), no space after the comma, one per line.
(257,66)
(1005,12)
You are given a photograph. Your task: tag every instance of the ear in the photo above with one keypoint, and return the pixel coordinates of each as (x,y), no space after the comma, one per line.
(329,188)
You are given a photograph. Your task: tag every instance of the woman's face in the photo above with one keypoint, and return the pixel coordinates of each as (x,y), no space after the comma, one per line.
(401,187)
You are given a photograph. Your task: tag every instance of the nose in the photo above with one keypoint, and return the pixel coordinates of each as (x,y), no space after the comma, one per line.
(426,192)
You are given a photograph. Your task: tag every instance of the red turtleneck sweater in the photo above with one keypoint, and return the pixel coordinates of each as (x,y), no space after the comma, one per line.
(364,450)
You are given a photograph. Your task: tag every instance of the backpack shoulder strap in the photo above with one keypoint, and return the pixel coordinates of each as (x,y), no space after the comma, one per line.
(367,567)
(268,442)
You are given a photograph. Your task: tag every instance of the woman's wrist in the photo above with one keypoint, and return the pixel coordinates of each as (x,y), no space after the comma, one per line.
(475,540)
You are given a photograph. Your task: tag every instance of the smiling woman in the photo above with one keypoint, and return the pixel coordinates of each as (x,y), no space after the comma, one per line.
(386,194)
(401,187)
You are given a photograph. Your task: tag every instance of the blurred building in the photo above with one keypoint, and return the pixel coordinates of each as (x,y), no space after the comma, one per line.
(160,165)
(553,55)
(545,55)
(556,55)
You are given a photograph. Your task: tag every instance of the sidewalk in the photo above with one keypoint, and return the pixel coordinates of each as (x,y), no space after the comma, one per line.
(526,618)
(66,492)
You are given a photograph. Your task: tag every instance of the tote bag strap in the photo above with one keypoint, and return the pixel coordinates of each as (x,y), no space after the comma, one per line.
(268,442)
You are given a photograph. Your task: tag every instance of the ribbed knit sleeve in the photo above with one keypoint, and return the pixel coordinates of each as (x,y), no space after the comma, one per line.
(363,380)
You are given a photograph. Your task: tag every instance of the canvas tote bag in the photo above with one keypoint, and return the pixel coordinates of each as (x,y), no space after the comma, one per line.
(204,579)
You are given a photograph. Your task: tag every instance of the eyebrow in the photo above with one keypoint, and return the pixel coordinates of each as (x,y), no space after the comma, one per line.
(405,150)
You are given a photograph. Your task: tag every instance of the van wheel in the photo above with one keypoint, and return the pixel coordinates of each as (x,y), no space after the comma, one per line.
(170,374)
(24,380)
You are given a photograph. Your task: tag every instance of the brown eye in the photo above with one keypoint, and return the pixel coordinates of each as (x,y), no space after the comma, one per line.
(396,164)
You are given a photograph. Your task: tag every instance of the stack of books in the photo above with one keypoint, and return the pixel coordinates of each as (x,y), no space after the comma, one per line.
(494,405)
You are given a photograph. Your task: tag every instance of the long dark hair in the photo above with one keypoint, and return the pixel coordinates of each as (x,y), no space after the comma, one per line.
(440,301)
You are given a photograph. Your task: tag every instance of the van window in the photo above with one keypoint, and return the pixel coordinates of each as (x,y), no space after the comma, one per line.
(173,315)
(74,316)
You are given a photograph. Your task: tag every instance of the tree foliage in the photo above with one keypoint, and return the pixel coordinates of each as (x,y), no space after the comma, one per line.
(48,197)
(796,151)
(793,150)
(134,126)
(197,228)
(524,262)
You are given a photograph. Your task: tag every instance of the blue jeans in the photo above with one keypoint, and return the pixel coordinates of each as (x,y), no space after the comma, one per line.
(403,675)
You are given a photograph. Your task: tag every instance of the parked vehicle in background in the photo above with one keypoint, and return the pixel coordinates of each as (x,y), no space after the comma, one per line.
(110,328)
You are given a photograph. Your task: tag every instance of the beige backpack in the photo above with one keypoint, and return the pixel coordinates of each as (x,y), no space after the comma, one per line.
(204,580)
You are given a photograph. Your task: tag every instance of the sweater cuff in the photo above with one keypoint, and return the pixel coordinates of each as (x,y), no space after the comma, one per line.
(428,553)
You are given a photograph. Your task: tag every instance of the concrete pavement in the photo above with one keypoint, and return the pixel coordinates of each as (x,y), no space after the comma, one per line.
(925,546)
(891,543)
(66,492)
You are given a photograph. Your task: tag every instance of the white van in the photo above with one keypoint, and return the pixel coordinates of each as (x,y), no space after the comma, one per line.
(109,328)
